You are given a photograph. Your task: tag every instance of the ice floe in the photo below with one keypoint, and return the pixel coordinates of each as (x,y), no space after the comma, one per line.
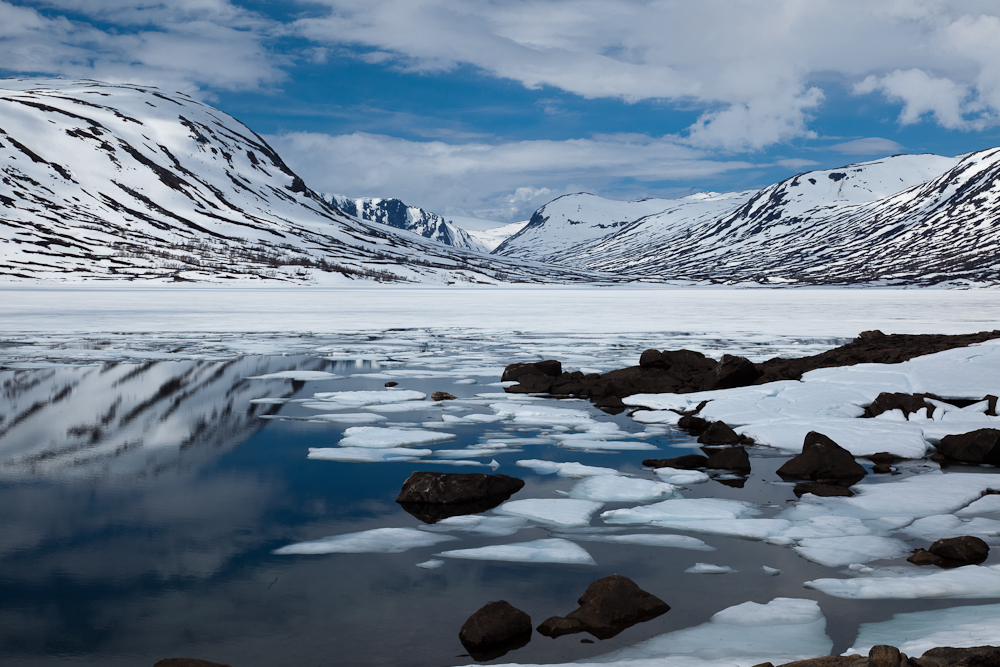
(366,454)
(378,540)
(333,400)
(300,376)
(612,489)
(681,477)
(682,509)
(387,437)
(571,470)
(773,571)
(549,550)
(348,418)
(481,524)
(646,539)
(708,568)
(970,581)
(914,633)
(988,504)
(838,551)
(552,511)
(432,564)
(781,631)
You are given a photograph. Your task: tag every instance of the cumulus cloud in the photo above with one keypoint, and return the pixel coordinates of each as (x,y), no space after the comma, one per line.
(190,45)
(506,181)
(752,66)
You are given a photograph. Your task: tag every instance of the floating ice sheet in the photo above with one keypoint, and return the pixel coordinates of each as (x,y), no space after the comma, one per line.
(646,539)
(431,564)
(386,437)
(550,550)
(301,376)
(709,568)
(552,511)
(615,489)
(571,470)
(366,454)
(781,631)
(332,400)
(837,551)
(916,632)
(988,504)
(682,509)
(379,540)
(479,523)
(681,477)
(970,581)
(348,418)
(932,528)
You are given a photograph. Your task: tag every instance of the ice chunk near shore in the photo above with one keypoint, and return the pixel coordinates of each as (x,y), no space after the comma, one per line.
(645,539)
(682,509)
(615,489)
(656,417)
(378,540)
(937,527)
(552,511)
(300,376)
(571,470)
(708,568)
(838,551)
(432,564)
(988,504)
(968,582)
(861,437)
(333,400)
(681,477)
(366,454)
(482,524)
(916,632)
(549,550)
(781,631)
(387,437)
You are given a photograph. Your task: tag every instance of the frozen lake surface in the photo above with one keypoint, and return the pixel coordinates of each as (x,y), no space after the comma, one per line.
(211,472)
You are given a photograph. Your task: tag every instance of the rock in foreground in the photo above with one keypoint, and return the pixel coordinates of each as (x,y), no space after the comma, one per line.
(498,627)
(982,446)
(432,496)
(822,460)
(609,606)
(952,552)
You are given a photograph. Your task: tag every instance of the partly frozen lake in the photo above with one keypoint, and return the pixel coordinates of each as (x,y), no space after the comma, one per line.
(157,501)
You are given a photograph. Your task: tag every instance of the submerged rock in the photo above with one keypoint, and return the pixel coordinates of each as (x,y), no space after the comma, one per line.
(497,628)
(432,496)
(730,458)
(823,460)
(981,446)
(609,606)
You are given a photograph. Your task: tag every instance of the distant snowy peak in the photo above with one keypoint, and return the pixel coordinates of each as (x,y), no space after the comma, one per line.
(493,237)
(395,213)
(564,223)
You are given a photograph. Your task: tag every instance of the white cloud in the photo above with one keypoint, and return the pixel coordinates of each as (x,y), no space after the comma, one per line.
(868,146)
(751,65)
(190,45)
(505,181)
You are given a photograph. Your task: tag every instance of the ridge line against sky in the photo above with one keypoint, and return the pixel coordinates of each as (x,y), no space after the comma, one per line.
(491,109)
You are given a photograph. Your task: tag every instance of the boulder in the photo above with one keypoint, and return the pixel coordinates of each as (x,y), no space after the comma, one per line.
(609,606)
(966,550)
(831,661)
(908,403)
(442,396)
(981,446)
(881,469)
(498,627)
(391,384)
(730,458)
(692,424)
(432,496)
(823,460)
(549,368)
(187,662)
(731,372)
(883,655)
(947,656)
(688,462)
(719,433)
(882,458)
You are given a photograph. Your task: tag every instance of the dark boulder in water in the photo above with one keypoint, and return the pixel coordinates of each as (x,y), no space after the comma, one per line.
(823,460)
(432,496)
(497,628)
(609,606)
(981,446)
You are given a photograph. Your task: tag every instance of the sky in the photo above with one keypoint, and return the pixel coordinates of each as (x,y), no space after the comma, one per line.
(491,108)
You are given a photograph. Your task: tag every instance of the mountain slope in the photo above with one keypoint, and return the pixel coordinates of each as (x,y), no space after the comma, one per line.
(910,219)
(102,181)
(395,213)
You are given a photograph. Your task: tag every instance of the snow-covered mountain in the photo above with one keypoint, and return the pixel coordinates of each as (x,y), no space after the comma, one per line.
(492,237)
(907,219)
(103,181)
(395,213)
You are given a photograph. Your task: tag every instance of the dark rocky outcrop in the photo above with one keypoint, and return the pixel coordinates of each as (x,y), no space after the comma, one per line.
(831,661)
(952,552)
(498,627)
(883,655)
(693,424)
(442,396)
(390,383)
(719,433)
(908,403)
(187,662)
(686,371)
(609,606)
(982,446)
(730,458)
(946,656)
(687,462)
(432,496)
(889,656)
(823,460)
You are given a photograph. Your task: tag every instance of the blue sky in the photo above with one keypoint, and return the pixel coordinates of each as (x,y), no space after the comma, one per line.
(491,108)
